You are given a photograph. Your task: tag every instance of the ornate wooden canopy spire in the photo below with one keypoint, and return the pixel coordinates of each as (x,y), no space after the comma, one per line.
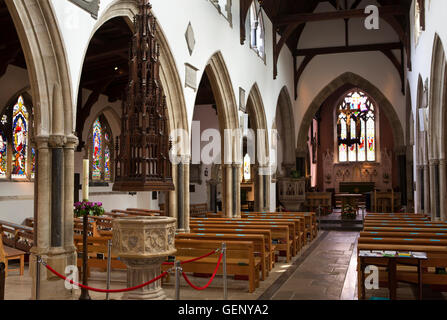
(143,148)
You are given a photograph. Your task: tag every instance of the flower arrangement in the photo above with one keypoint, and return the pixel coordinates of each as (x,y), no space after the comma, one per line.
(349,211)
(88,208)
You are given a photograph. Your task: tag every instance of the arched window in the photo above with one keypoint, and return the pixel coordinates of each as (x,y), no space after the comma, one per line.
(257,34)
(101,155)
(419,19)
(17,156)
(356,128)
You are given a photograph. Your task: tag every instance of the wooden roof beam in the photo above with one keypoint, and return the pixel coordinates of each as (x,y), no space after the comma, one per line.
(335,15)
(348,49)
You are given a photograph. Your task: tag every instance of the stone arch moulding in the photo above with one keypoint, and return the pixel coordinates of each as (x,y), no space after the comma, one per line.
(286,112)
(112,117)
(169,76)
(45,56)
(258,115)
(437,104)
(217,72)
(355,80)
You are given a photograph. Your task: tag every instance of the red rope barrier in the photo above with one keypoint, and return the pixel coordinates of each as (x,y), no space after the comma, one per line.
(209,282)
(192,260)
(103,290)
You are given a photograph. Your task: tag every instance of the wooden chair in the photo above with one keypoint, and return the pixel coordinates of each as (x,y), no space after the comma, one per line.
(9,254)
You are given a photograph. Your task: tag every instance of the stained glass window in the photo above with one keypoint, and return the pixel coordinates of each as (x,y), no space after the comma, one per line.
(20,140)
(356,128)
(97,159)
(3,155)
(17,157)
(102,151)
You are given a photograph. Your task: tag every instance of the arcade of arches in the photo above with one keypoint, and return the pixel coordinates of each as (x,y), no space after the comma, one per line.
(281,114)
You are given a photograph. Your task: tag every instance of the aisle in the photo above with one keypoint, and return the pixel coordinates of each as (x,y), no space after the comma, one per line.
(321,276)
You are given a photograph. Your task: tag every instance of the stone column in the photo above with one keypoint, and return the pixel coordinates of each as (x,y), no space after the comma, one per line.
(171,199)
(51,215)
(69,151)
(226,196)
(434,189)
(259,190)
(426,182)
(180,197)
(186,197)
(442,189)
(419,189)
(236,194)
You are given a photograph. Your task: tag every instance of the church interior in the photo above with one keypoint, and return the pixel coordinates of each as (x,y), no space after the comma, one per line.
(223,150)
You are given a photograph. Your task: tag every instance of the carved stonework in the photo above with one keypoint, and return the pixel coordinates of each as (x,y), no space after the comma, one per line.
(292,193)
(378,173)
(91,6)
(143,243)
(144,236)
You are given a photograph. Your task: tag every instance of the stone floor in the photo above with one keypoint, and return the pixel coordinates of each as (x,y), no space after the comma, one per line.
(322,275)
(325,270)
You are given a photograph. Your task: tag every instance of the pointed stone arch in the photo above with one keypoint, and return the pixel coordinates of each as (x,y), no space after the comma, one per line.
(285,111)
(222,88)
(255,110)
(355,80)
(437,131)
(177,201)
(43,48)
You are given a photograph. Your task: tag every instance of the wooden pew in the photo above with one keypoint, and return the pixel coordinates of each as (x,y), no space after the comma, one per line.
(155,212)
(424,224)
(240,258)
(310,220)
(257,239)
(17,236)
(293,236)
(97,252)
(388,234)
(198,210)
(305,230)
(405,229)
(10,254)
(269,247)
(404,241)
(280,232)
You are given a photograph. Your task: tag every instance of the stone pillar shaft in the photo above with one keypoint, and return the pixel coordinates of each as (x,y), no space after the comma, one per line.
(54,214)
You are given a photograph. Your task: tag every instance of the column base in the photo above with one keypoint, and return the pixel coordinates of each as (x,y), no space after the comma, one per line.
(52,287)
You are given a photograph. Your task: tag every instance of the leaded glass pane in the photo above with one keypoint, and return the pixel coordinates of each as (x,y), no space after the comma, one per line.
(20,140)
(3,155)
(97,147)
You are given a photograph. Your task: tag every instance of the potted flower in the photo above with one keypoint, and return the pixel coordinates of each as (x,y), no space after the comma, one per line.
(86,208)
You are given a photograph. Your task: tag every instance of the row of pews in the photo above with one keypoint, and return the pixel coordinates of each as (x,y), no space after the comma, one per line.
(401,232)
(254,242)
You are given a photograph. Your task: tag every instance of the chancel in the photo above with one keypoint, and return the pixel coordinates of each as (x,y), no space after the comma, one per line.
(223,150)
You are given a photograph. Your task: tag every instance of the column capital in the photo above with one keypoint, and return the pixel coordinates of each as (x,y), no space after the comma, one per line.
(41,141)
(71,142)
(57,141)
